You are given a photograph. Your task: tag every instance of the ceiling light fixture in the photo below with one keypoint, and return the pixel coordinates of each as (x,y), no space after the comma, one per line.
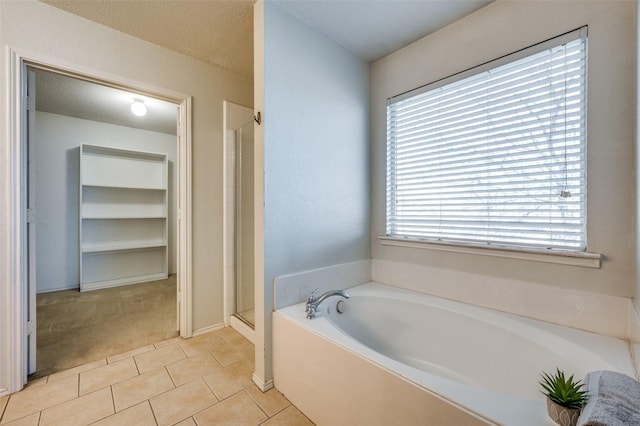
(138,108)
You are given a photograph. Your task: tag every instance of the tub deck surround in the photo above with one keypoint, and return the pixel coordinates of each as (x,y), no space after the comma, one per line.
(295,288)
(634,323)
(474,362)
(598,313)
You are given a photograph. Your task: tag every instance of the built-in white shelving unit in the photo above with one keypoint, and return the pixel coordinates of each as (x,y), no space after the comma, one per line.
(123,217)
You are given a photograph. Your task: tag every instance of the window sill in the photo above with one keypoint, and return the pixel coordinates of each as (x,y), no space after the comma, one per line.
(583,259)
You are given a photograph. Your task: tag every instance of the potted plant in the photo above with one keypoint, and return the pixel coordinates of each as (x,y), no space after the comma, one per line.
(565,397)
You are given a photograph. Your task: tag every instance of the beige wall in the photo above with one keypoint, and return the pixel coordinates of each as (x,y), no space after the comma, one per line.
(31,26)
(637,163)
(496,30)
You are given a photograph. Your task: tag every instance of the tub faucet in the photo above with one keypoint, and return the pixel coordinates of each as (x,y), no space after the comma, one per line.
(313,301)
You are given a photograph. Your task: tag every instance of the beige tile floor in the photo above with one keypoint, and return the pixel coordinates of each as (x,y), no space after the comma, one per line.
(205,380)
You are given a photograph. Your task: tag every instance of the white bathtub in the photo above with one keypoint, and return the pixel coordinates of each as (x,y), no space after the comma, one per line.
(459,364)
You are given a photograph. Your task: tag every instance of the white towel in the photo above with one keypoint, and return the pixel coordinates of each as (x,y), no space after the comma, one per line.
(614,400)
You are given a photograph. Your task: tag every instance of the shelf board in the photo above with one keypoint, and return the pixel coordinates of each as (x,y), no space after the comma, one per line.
(121,217)
(139,187)
(101,151)
(97,248)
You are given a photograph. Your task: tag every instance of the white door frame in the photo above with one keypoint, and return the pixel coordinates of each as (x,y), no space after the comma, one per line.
(30,200)
(13,249)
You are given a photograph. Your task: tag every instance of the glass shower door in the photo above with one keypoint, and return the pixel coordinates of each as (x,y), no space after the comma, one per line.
(244,264)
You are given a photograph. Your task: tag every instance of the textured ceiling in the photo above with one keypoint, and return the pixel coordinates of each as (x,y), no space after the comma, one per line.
(219,32)
(64,95)
(372,29)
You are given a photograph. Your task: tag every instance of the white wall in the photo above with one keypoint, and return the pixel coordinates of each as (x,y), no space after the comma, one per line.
(32,26)
(316,157)
(496,30)
(57,142)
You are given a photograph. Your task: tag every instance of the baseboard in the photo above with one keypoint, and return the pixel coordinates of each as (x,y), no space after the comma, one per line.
(262,385)
(74,287)
(51,290)
(206,330)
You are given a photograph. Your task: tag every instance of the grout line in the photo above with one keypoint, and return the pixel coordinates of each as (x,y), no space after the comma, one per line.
(78,381)
(204,409)
(181,349)
(289,405)
(215,359)
(256,403)
(195,414)
(5,407)
(153,413)
(113,400)
(269,418)
(136,364)
(210,389)
(170,377)
(275,414)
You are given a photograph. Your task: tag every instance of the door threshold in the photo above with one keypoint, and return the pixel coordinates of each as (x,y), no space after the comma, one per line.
(243,328)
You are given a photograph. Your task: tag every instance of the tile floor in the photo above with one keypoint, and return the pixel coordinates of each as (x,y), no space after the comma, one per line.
(205,380)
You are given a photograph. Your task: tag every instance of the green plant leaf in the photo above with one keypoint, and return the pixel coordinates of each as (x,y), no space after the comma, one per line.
(563,391)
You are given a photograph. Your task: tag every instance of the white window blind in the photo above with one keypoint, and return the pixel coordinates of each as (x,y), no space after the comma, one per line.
(498,157)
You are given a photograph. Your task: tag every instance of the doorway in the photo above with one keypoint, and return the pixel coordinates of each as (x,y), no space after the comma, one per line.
(102,196)
(20,312)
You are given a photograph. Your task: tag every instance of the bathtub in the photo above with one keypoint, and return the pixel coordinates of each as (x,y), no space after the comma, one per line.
(399,357)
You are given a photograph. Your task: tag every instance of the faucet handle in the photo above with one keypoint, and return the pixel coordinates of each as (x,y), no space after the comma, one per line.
(312,295)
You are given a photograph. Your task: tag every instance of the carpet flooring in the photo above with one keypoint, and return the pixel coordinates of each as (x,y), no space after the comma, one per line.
(75,328)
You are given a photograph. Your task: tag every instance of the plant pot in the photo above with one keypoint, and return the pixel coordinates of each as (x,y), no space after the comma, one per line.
(562,415)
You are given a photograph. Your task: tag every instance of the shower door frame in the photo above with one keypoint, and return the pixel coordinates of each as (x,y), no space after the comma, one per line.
(235,117)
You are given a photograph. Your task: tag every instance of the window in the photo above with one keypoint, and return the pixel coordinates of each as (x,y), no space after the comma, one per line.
(495,155)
